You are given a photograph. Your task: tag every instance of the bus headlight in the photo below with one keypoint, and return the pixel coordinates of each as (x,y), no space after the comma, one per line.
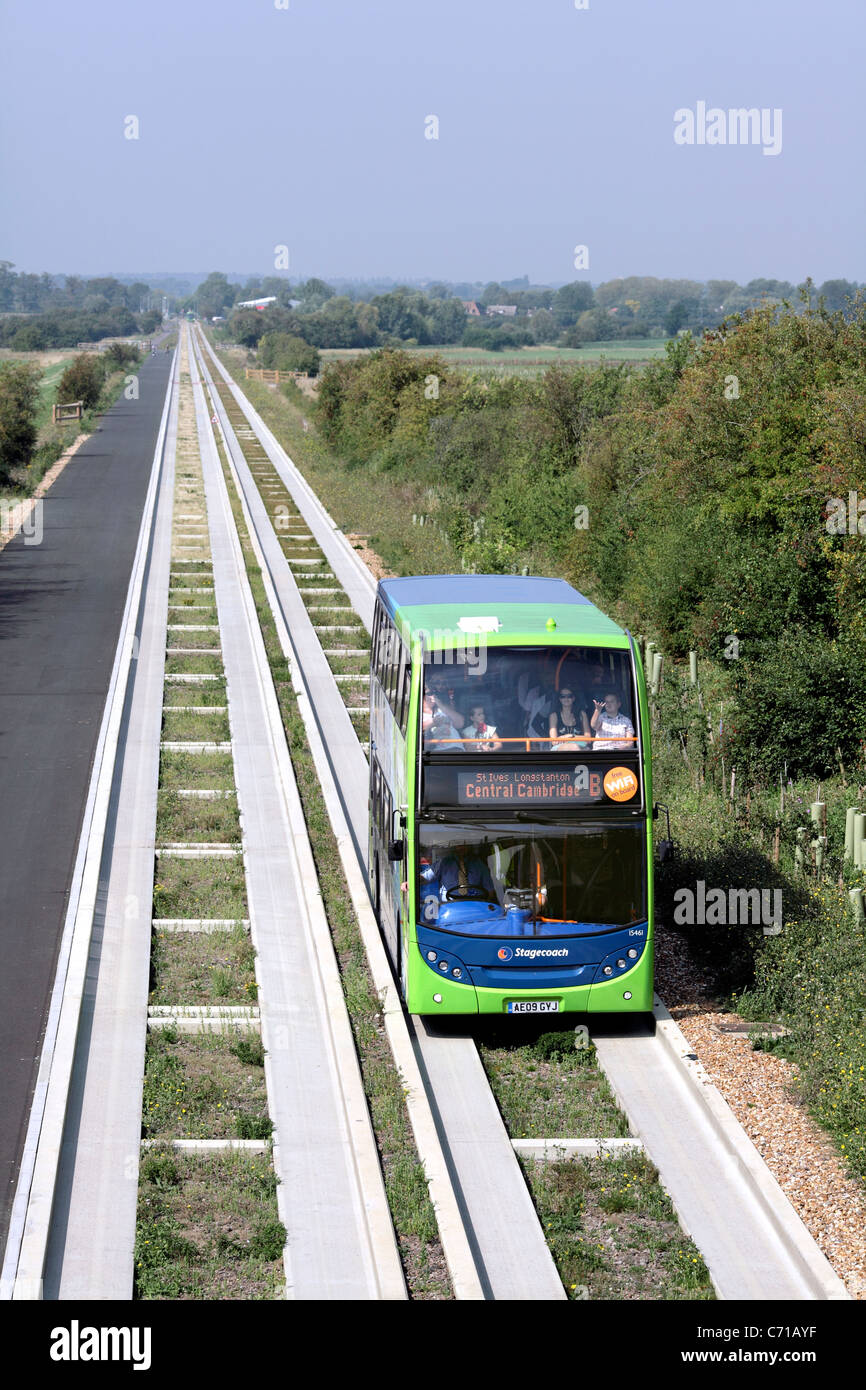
(632,953)
(431,955)
(608,970)
(457,973)
(620,965)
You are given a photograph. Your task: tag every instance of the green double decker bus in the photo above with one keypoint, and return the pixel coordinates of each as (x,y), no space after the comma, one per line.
(511,851)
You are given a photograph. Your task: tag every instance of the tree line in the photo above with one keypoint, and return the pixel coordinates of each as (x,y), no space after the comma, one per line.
(569,316)
(46,311)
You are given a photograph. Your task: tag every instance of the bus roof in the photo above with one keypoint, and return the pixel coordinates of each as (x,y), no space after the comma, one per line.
(521,606)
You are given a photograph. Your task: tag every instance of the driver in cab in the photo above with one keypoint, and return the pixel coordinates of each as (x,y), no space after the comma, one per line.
(462,874)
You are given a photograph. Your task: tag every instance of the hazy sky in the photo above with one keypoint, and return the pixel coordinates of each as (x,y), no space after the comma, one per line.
(306,127)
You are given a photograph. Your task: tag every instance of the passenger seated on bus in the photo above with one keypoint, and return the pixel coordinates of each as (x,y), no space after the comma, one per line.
(462,873)
(443,687)
(536,704)
(440,734)
(614,731)
(481,736)
(567,723)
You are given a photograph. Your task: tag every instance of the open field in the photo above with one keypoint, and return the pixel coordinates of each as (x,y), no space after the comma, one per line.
(525,361)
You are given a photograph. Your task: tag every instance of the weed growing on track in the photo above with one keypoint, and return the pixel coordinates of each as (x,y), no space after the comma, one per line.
(546,1087)
(206,1228)
(613,1232)
(200,888)
(197,1086)
(180,726)
(188,819)
(212,771)
(202,968)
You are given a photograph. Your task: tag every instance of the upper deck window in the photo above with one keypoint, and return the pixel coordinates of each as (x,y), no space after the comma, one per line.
(528,699)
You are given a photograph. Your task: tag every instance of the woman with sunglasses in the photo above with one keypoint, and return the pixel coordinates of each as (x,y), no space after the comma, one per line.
(567,723)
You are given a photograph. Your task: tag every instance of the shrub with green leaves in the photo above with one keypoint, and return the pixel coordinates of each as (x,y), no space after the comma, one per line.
(19,396)
(82,380)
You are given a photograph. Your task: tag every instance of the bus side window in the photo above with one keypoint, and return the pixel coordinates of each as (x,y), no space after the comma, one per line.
(407,686)
(383,660)
(393,667)
(374,643)
(377,800)
(400,697)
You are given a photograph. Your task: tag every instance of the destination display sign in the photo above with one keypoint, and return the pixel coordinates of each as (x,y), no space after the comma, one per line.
(487,785)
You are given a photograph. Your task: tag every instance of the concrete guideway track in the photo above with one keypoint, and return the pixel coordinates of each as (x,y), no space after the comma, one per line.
(755,1245)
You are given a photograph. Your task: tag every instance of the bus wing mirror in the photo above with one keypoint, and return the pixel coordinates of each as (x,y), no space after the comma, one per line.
(666,851)
(395,850)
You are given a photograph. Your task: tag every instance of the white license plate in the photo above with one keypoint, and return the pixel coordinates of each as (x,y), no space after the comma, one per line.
(532,1006)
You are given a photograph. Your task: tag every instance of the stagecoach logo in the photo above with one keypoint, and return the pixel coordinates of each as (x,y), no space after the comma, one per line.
(505,953)
(620,784)
(537,952)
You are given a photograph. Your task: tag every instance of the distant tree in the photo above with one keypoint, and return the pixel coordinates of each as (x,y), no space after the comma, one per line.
(772,289)
(19,397)
(402,314)
(313,294)
(544,327)
(246,326)
(30,337)
(288,354)
(483,334)
(676,318)
(594,325)
(148,323)
(718,292)
(7,286)
(214,295)
(571,301)
(447,320)
(836,294)
(136,296)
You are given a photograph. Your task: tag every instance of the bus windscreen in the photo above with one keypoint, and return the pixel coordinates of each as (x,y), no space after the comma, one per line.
(561,699)
(531,879)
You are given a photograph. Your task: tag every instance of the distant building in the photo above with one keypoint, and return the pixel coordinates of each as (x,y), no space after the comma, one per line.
(472,308)
(257,303)
(506,310)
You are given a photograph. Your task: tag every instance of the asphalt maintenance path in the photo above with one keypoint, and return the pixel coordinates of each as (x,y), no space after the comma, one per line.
(61,602)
